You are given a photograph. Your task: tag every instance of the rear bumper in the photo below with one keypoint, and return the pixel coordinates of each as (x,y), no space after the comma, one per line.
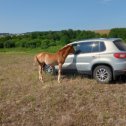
(118,72)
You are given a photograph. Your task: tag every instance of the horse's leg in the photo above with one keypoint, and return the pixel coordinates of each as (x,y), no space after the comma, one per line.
(40,73)
(59,72)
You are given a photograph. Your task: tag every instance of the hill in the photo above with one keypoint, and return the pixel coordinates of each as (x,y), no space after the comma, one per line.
(102,31)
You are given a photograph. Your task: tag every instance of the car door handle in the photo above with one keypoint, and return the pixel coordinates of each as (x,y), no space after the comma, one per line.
(95,56)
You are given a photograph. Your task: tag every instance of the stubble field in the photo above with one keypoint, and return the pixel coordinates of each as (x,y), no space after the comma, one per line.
(77,101)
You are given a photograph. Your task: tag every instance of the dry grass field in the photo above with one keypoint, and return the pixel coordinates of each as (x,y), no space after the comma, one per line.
(102,31)
(77,101)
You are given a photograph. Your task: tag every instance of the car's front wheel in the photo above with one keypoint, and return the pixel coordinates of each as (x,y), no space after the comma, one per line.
(49,69)
(103,74)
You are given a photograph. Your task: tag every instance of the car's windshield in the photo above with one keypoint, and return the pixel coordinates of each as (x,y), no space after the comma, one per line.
(120,45)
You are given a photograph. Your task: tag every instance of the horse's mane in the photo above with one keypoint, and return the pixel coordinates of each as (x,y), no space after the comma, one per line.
(65,47)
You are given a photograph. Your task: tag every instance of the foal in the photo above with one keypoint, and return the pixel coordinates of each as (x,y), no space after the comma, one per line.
(57,58)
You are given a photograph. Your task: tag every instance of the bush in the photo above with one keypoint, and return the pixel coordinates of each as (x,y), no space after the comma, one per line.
(44,44)
(9,44)
(22,44)
(38,43)
(30,44)
(1,45)
(118,33)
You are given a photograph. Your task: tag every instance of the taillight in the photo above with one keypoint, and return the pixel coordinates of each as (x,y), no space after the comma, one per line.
(120,55)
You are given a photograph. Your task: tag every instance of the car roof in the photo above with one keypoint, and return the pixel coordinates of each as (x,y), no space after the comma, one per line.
(97,40)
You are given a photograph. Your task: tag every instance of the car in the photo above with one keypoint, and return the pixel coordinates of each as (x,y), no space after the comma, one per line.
(102,58)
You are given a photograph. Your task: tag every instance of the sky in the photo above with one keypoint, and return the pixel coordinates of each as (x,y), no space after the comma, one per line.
(20,16)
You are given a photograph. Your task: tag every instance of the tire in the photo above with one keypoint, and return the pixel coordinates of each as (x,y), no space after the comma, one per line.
(49,70)
(103,74)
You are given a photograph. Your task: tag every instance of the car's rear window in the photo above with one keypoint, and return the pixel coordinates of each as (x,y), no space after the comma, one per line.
(120,45)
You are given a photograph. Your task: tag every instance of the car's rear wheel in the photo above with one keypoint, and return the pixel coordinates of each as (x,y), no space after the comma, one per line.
(103,74)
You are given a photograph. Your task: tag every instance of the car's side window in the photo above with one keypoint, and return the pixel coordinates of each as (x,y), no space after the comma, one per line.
(85,47)
(102,46)
(98,47)
(95,47)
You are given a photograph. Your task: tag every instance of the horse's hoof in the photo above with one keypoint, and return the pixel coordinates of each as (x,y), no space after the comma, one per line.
(41,81)
(59,82)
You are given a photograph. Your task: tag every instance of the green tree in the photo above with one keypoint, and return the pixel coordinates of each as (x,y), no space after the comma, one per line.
(9,44)
(65,40)
(44,44)
(1,45)
(118,33)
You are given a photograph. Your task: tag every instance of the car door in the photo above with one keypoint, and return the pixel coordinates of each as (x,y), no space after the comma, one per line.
(86,53)
(69,62)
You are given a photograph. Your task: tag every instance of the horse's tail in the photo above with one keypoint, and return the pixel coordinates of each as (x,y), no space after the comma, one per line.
(36,60)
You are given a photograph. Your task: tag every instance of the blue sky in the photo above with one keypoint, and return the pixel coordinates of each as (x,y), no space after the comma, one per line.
(19,16)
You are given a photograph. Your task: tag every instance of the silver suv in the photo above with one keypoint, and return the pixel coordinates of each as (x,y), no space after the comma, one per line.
(103,59)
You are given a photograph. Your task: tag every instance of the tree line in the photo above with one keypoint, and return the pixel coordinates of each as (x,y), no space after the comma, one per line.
(54,38)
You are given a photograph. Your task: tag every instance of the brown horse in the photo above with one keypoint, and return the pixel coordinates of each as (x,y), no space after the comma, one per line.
(57,58)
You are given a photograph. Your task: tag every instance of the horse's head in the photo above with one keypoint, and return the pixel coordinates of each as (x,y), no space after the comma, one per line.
(71,49)
(66,50)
